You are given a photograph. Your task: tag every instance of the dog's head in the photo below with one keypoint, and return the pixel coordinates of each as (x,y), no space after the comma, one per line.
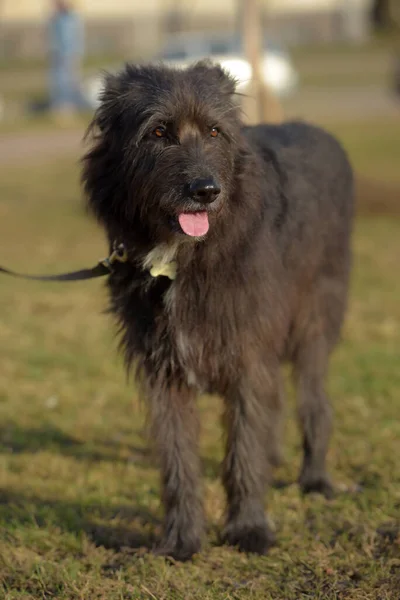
(164,150)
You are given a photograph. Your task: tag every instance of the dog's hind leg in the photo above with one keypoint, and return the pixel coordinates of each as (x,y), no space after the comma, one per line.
(174,428)
(314,412)
(252,412)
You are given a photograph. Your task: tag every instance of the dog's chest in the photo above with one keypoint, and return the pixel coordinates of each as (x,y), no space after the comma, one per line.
(202,337)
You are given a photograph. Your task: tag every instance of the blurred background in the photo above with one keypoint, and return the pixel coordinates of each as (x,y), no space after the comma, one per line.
(74,473)
(324,59)
(334,62)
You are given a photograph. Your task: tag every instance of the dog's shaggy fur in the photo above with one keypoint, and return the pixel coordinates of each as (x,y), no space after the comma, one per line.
(267,283)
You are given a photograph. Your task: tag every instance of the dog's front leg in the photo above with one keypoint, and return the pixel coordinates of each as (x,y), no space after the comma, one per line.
(174,428)
(251,420)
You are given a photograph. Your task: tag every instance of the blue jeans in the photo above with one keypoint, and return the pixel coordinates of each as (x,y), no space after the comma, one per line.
(65,89)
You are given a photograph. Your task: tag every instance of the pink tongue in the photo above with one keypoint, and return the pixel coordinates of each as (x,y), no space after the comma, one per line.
(194,224)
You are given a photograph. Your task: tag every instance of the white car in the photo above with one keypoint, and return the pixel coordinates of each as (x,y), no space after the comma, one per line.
(277,69)
(185,49)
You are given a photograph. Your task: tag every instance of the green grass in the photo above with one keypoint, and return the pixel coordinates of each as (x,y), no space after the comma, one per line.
(79,495)
(374,147)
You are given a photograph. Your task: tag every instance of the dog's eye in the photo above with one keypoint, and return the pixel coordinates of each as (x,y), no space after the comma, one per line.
(160,131)
(214,132)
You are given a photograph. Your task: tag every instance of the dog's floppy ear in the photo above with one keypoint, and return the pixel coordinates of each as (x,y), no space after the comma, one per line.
(109,97)
(213,73)
(127,89)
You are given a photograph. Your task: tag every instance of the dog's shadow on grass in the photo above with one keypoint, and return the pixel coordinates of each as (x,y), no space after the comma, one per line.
(126,526)
(119,528)
(16,440)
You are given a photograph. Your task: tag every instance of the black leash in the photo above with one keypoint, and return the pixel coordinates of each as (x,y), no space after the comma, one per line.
(103,267)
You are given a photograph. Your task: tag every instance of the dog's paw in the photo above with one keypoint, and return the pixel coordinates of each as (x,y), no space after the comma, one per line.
(317,485)
(255,539)
(181,551)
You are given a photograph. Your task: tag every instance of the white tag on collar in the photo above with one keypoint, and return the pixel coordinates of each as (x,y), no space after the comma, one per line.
(166,269)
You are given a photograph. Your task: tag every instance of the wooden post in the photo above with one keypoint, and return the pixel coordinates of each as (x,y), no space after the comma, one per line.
(260,105)
(394,20)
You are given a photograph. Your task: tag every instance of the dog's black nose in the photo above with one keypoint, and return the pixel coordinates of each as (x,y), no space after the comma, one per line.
(204,190)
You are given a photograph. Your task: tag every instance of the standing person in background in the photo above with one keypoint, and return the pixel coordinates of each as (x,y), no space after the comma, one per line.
(66,33)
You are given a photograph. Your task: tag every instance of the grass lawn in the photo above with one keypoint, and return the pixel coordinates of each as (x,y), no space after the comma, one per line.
(79,496)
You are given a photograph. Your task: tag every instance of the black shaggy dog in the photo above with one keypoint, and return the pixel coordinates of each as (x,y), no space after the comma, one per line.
(238,259)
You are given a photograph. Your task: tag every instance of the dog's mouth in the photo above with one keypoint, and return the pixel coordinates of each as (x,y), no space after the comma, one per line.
(194,224)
